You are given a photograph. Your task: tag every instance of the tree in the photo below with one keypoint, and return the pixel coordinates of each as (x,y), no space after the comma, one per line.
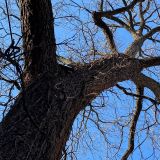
(52,94)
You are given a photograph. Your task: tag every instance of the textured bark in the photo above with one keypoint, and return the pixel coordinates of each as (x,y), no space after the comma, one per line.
(38,37)
(52,108)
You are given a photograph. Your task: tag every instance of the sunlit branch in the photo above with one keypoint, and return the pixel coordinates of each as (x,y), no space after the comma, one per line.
(130,15)
(134,48)
(142,23)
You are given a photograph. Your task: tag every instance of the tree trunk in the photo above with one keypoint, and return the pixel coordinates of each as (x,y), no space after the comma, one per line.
(38,38)
(42,131)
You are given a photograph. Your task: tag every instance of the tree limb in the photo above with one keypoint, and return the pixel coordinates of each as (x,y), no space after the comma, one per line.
(130,15)
(120,10)
(123,89)
(108,71)
(140,91)
(144,81)
(133,49)
(106,30)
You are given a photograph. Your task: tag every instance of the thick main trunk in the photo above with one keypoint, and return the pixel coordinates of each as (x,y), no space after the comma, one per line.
(38,37)
(41,131)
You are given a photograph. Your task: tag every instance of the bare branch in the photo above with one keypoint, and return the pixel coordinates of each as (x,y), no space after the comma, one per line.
(151,32)
(120,10)
(150,62)
(107,72)
(140,91)
(133,49)
(101,4)
(130,15)
(122,23)
(108,33)
(144,81)
(123,89)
